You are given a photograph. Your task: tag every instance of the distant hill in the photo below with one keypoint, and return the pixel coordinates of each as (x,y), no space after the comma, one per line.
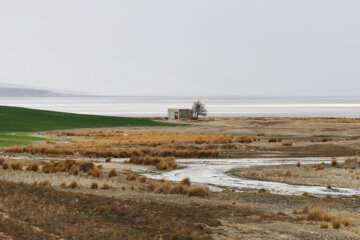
(24,92)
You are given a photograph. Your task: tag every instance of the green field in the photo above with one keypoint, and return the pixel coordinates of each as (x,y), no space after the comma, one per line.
(17,124)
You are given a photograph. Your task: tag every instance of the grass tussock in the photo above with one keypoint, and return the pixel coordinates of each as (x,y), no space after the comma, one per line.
(245,139)
(324,225)
(94,185)
(108,159)
(105,187)
(319,167)
(197,191)
(5,165)
(161,163)
(2,160)
(287,144)
(112,173)
(73,184)
(96,172)
(142,179)
(34,166)
(183,187)
(44,182)
(131,177)
(17,165)
(352,163)
(334,163)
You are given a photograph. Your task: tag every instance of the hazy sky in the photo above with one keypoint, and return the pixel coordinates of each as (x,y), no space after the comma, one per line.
(187,47)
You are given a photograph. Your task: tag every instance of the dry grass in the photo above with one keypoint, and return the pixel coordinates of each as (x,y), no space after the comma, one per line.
(94,185)
(63,185)
(334,162)
(298,164)
(5,165)
(34,166)
(287,144)
(351,163)
(96,172)
(2,160)
(185,181)
(142,179)
(336,223)
(324,225)
(108,159)
(105,187)
(319,214)
(319,167)
(73,184)
(262,190)
(17,165)
(131,177)
(44,182)
(112,173)
(167,163)
(245,139)
(197,191)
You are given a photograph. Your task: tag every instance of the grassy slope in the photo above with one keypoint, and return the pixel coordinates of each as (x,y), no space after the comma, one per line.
(16,123)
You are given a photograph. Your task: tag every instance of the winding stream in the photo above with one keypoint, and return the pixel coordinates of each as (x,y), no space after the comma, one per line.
(212,172)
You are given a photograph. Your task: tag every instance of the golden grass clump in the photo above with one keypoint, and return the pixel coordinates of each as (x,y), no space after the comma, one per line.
(73,184)
(324,225)
(142,179)
(108,159)
(17,165)
(319,167)
(44,182)
(336,223)
(2,160)
(164,187)
(298,164)
(244,139)
(334,162)
(262,190)
(94,185)
(96,172)
(5,165)
(186,181)
(318,214)
(161,163)
(351,163)
(74,170)
(287,144)
(197,191)
(105,187)
(272,140)
(34,166)
(305,209)
(131,177)
(112,173)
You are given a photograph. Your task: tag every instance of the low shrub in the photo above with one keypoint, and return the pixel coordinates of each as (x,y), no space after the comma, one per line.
(5,165)
(287,144)
(73,184)
(112,173)
(34,166)
(131,177)
(17,165)
(142,179)
(94,185)
(44,182)
(197,191)
(105,187)
(96,172)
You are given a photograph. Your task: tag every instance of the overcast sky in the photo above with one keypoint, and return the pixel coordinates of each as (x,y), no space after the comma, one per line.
(187,47)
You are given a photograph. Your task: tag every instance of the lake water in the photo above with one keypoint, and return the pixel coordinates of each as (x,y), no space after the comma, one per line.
(217,106)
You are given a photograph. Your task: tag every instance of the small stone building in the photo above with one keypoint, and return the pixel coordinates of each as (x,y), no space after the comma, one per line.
(180,114)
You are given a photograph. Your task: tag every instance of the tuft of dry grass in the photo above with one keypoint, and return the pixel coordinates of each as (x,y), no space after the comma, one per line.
(298,164)
(73,184)
(108,159)
(324,225)
(17,165)
(305,209)
(74,170)
(63,185)
(96,172)
(336,223)
(105,187)
(185,181)
(345,221)
(131,177)
(287,144)
(5,165)
(245,139)
(2,160)
(142,179)
(318,214)
(262,190)
(94,185)
(44,182)
(112,173)
(197,191)
(319,167)
(272,140)
(334,162)
(34,166)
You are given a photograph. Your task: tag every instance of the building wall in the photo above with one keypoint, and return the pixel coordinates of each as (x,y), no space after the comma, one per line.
(180,114)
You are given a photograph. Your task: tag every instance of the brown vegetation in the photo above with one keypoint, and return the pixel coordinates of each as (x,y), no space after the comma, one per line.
(142,179)
(161,163)
(131,177)
(73,184)
(287,144)
(94,185)
(17,165)
(105,187)
(44,182)
(34,166)
(112,173)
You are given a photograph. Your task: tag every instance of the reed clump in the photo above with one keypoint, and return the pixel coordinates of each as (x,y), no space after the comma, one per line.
(17,165)
(161,163)
(73,184)
(131,177)
(34,166)
(112,173)
(94,185)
